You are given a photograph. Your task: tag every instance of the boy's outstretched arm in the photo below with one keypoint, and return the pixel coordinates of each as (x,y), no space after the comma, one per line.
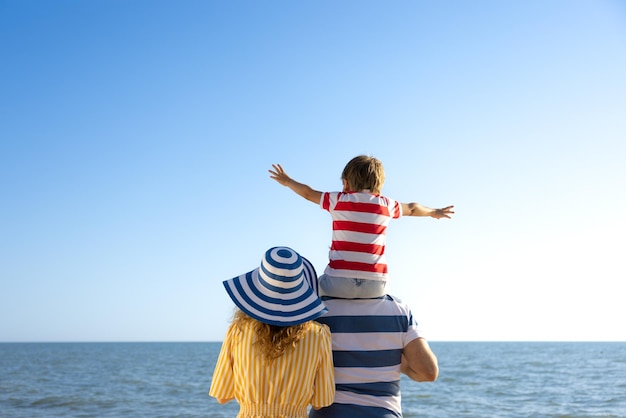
(415,209)
(303,190)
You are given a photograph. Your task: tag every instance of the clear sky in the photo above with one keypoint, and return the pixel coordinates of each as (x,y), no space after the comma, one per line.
(136,138)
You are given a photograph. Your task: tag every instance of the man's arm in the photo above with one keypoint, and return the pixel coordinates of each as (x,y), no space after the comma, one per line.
(303,190)
(419,362)
(415,209)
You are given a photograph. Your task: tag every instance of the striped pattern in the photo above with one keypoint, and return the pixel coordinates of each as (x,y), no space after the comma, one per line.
(310,275)
(279,291)
(283,387)
(359,233)
(368,338)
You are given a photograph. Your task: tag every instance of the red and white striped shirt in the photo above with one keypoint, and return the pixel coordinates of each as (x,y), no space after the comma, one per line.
(359,233)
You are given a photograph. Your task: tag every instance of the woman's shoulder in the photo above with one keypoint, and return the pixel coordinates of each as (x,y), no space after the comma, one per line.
(319,329)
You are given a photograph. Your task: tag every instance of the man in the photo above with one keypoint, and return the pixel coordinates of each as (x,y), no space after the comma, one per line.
(374,342)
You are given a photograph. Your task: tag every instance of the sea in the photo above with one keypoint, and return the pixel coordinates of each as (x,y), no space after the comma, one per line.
(477,379)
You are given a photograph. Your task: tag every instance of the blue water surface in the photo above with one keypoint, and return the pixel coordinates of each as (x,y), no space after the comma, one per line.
(477,379)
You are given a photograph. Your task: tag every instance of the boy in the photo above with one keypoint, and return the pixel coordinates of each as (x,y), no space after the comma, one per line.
(357,266)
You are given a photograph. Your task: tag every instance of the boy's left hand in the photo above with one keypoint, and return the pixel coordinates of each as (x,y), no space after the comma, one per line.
(443,212)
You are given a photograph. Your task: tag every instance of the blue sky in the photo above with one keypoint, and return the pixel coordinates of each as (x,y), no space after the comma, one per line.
(136,138)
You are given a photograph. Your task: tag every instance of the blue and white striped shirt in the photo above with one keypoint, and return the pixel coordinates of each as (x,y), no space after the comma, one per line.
(368,338)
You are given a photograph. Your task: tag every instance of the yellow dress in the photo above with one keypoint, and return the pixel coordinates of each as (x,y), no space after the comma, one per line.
(281,388)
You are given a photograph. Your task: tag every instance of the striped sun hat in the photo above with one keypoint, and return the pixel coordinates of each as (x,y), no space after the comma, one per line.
(280,291)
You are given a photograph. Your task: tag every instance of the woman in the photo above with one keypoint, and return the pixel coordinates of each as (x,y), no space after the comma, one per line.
(275,360)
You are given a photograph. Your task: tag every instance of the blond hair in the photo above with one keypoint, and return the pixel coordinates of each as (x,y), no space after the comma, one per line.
(273,340)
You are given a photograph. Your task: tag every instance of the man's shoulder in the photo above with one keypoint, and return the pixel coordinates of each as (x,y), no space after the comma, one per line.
(394,299)
(382,305)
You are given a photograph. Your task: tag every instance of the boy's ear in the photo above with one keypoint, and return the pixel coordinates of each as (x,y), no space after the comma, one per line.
(346,188)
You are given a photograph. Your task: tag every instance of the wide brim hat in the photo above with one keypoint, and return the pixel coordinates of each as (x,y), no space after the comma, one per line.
(281,291)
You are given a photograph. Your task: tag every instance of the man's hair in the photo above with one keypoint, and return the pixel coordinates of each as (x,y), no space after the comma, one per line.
(364,172)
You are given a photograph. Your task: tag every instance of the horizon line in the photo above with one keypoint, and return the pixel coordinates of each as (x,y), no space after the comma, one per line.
(220,341)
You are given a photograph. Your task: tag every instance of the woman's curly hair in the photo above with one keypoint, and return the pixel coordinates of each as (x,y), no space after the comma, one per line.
(274,341)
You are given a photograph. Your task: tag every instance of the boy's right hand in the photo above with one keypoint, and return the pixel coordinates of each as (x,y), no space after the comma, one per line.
(303,190)
(279,174)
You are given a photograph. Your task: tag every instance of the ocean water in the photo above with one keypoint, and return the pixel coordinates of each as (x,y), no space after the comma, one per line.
(477,379)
